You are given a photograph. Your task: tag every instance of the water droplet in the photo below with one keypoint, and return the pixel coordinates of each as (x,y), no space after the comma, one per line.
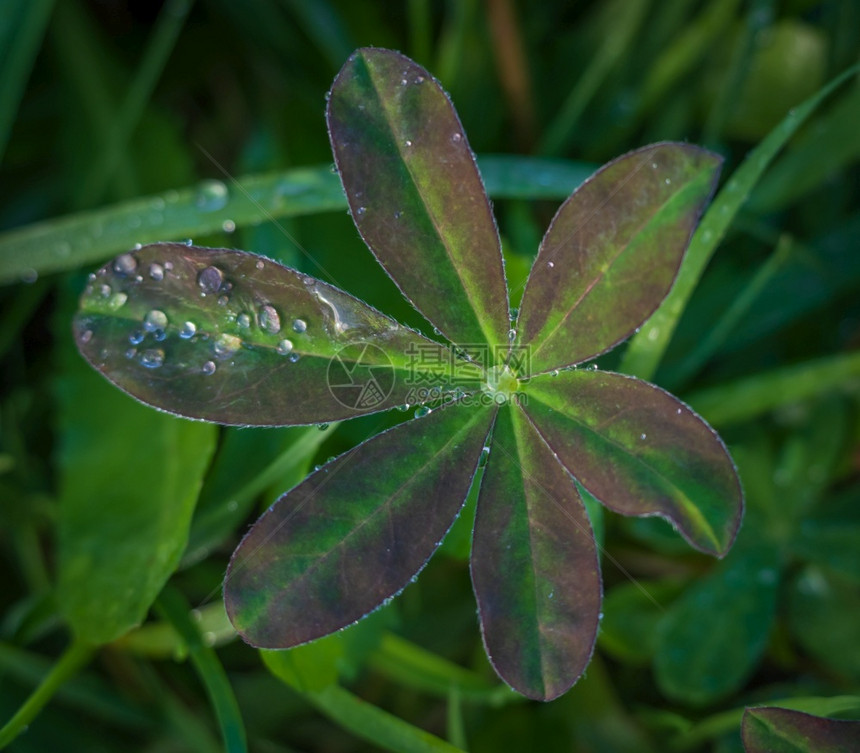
(156,272)
(223,300)
(136,337)
(124,264)
(643,436)
(419,79)
(260,264)
(408,142)
(512,335)
(679,411)
(228,226)
(155,321)
(86,336)
(105,291)
(131,353)
(210,279)
(322,427)
(514,314)
(457,137)
(152,358)
(299,325)
(485,454)
(211,196)
(668,181)
(360,210)
(654,165)
(403,408)
(208,368)
(422,411)
(403,82)
(243,321)
(554,372)
(29,276)
(189,329)
(398,215)
(294,357)
(550,264)
(270,320)
(226,345)
(285,347)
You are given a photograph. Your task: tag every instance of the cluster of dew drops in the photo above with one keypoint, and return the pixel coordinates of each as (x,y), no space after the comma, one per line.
(211,281)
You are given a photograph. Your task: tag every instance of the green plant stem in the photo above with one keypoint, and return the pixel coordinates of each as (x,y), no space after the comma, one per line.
(747,398)
(173,607)
(371,723)
(646,349)
(76,656)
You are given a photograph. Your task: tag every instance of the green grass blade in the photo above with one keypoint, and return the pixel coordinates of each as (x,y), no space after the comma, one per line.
(648,346)
(170,21)
(751,397)
(173,607)
(75,657)
(90,237)
(21,33)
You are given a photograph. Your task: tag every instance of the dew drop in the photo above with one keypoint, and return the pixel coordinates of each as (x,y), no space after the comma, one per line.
(285,347)
(457,137)
(228,226)
(152,358)
(226,345)
(322,427)
(189,329)
(643,436)
(294,357)
(223,300)
(210,279)
(403,82)
(243,321)
(154,321)
(512,335)
(403,408)
(550,264)
(514,314)
(422,411)
(554,372)
(408,142)
(131,353)
(136,337)
(259,264)
(208,368)
(156,272)
(124,264)
(270,320)
(86,336)
(299,325)
(360,210)
(485,454)
(211,196)
(668,181)
(105,291)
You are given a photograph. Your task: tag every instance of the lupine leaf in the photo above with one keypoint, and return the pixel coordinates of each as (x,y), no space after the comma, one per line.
(534,564)
(416,195)
(230,337)
(612,251)
(353,533)
(640,451)
(775,730)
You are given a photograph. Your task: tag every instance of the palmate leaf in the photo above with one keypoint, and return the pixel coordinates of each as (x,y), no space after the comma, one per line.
(416,195)
(776,730)
(230,337)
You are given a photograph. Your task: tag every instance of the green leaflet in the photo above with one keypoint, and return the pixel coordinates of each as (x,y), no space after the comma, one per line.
(353,533)
(612,252)
(534,564)
(416,196)
(776,730)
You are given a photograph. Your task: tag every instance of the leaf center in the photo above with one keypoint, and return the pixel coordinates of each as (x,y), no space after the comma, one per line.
(501,384)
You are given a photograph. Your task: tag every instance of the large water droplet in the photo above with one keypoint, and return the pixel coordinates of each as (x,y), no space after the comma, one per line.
(422,411)
(156,272)
(243,321)
(154,321)
(269,319)
(285,347)
(189,329)
(124,264)
(211,196)
(228,226)
(299,325)
(512,335)
(117,301)
(210,279)
(208,368)
(226,345)
(152,358)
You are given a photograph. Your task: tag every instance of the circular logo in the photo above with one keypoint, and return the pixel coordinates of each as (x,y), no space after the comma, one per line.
(360,376)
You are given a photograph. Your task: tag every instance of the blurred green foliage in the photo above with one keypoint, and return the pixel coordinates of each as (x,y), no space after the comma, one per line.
(112,116)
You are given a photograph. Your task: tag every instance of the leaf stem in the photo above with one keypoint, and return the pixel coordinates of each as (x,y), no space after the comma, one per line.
(76,656)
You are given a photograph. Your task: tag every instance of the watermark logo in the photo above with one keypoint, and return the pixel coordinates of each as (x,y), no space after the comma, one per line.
(360,376)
